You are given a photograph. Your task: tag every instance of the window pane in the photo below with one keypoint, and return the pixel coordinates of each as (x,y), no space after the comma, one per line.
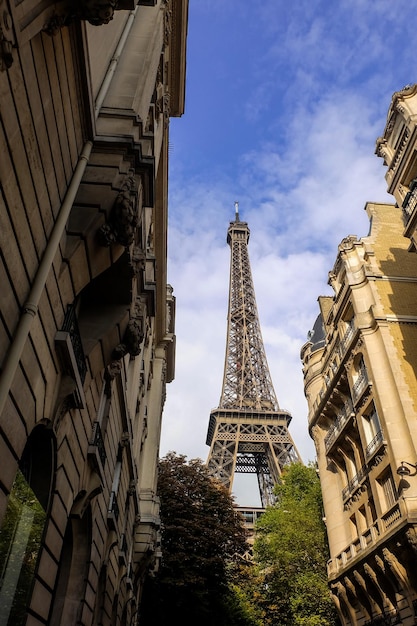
(20,540)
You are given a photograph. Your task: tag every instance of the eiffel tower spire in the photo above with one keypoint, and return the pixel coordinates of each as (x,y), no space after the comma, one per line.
(248,432)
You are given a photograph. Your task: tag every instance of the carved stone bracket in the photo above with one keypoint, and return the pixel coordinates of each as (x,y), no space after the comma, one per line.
(137,260)
(132,340)
(123,219)
(124,439)
(96,12)
(411,535)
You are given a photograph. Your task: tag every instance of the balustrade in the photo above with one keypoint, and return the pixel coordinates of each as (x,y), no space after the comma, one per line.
(390,517)
(369,536)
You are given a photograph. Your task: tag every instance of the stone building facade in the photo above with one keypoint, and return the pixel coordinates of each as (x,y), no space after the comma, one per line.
(360,366)
(87,319)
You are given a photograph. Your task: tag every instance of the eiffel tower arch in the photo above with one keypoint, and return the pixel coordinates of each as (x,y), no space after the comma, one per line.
(248,432)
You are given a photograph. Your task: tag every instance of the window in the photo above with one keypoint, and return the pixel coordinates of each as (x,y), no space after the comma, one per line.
(22,529)
(388,492)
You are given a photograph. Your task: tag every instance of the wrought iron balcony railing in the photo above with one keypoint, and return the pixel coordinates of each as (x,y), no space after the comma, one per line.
(342,418)
(344,342)
(123,550)
(113,510)
(354,483)
(374,444)
(410,202)
(70,326)
(69,345)
(96,450)
(361,383)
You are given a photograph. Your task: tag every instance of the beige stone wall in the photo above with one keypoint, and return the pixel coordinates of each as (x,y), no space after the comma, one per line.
(361,389)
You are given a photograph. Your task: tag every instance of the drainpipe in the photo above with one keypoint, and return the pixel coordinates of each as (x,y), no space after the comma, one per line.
(30,309)
(113,63)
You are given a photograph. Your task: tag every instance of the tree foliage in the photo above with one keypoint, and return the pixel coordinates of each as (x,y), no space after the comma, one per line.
(291,551)
(202,537)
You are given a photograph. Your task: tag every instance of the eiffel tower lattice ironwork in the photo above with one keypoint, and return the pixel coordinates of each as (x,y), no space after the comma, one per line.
(248,432)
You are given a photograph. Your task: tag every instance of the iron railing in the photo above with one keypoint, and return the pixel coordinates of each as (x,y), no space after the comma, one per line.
(361,383)
(70,326)
(354,483)
(374,444)
(341,419)
(410,202)
(98,442)
(113,510)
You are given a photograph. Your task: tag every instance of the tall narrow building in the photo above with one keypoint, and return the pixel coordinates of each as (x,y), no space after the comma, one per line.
(360,369)
(248,432)
(87,318)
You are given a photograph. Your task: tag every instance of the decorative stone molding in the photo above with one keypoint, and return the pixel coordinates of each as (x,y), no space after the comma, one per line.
(110,374)
(162,107)
(386,602)
(397,569)
(167,22)
(123,220)
(348,242)
(96,12)
(125,439)
(137,260)
(382,149)
(411,535)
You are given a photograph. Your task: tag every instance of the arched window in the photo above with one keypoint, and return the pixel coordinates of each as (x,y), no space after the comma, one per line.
(22,529)
(69,601)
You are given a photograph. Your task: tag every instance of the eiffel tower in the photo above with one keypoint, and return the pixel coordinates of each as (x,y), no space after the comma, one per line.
(248,432)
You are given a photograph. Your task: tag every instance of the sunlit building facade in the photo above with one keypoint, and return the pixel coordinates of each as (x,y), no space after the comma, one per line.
(360,366)
(87,319)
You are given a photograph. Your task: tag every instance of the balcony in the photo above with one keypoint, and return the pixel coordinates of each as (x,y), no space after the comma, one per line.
(355,482)
(123,550)
(342,418)
(410,202)
(361,543)
(391,516)
(374,445)
(347,338)
(96,452)
(70,349)
(361,383)
(113,511)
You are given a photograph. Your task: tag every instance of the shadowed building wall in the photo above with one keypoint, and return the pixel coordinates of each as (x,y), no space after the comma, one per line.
(87,319)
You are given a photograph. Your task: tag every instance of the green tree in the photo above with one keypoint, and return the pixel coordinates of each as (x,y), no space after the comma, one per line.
(291,551)
(203,540)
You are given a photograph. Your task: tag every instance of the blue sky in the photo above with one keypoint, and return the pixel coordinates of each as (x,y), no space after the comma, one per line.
(284,103)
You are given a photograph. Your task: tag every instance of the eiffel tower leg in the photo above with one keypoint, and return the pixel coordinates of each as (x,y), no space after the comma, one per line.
(221,461)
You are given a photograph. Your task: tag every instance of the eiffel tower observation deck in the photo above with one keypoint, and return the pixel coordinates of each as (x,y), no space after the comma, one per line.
(248,432)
